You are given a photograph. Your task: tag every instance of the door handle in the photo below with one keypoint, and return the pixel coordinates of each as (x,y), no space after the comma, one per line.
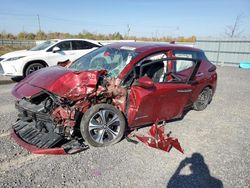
(184,90)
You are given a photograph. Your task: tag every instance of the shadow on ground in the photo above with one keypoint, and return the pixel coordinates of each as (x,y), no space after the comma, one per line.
(199,177)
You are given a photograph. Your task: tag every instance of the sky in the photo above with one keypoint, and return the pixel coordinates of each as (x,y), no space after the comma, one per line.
(147,18)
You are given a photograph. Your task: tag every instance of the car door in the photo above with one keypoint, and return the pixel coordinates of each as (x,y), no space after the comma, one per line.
(81,48)
(184,68)
(167,97)
(65,52)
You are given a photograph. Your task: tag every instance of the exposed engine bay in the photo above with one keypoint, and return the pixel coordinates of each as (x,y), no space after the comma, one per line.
(47,120)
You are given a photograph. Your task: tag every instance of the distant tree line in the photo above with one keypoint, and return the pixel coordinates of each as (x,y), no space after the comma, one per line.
(88,35)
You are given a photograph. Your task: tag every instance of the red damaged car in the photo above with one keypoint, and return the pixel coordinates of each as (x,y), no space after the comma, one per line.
(118,87)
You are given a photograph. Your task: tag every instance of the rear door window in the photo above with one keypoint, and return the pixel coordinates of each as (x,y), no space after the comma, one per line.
(184,64)
(82,45)
(64,46)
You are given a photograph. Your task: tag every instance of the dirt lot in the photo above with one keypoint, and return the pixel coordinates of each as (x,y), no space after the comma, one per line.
(216,143)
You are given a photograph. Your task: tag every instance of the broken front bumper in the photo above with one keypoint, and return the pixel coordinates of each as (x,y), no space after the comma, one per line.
(37,150)
(35,132)
(33,136)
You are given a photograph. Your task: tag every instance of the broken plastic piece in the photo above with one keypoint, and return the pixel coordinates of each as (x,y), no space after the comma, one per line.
(75,146)
(157,139)
(63,63)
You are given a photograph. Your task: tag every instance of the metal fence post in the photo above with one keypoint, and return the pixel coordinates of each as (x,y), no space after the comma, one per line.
(218,53)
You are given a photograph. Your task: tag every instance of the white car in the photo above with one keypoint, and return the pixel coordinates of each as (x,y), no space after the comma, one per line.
(48,53)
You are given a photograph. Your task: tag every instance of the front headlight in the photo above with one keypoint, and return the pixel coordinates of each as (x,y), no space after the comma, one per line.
(14,58)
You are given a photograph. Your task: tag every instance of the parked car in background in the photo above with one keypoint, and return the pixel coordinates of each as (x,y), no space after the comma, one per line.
(118,87)
(48,53)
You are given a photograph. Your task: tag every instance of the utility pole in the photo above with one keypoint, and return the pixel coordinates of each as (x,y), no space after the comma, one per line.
(128,27)
(39,22)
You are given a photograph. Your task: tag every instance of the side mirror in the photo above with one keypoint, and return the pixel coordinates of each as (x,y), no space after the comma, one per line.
(56,49)
(145,82)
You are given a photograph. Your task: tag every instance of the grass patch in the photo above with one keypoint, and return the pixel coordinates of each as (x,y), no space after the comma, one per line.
(6,48)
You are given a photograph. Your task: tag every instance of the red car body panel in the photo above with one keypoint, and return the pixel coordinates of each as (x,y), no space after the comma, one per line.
(140,106)
(73,85)
(159,103)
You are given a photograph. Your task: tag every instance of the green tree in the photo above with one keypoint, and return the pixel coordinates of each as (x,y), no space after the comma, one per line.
(117,36)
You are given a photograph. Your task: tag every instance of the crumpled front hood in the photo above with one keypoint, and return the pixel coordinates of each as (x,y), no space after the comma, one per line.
(63,82)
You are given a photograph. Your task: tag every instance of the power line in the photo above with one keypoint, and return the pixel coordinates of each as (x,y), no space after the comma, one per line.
(16,14)
(128,27)
(96,24)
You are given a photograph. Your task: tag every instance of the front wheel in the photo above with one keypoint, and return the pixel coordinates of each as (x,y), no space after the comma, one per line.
(203,99)
(102,125)
(33,67)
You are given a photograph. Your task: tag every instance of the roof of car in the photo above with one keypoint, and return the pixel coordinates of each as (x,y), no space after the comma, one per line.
(87,40)
(145,46)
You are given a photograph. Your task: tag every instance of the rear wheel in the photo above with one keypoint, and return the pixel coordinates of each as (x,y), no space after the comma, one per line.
(203,99)
(33,67)
(102,125)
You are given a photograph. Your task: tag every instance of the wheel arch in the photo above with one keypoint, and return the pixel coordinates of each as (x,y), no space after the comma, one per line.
(210,87)
(199,90)
(34,61)
(205,86)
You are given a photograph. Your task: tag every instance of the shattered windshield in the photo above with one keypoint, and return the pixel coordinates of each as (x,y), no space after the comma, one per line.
(43,45)
(112,59)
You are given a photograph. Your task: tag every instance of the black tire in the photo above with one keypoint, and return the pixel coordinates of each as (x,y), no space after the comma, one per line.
(32,68)
(108,125)
(203,100)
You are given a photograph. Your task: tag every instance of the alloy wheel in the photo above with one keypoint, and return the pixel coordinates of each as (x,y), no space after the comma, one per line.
(104,126)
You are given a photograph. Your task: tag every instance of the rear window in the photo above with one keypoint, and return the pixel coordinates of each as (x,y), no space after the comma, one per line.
(81,45)
(183,64)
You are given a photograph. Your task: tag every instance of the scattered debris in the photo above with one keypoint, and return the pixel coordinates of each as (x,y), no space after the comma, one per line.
(157,139)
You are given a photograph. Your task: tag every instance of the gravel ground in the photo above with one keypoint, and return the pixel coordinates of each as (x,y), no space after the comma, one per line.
(5,80)
(216,143)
